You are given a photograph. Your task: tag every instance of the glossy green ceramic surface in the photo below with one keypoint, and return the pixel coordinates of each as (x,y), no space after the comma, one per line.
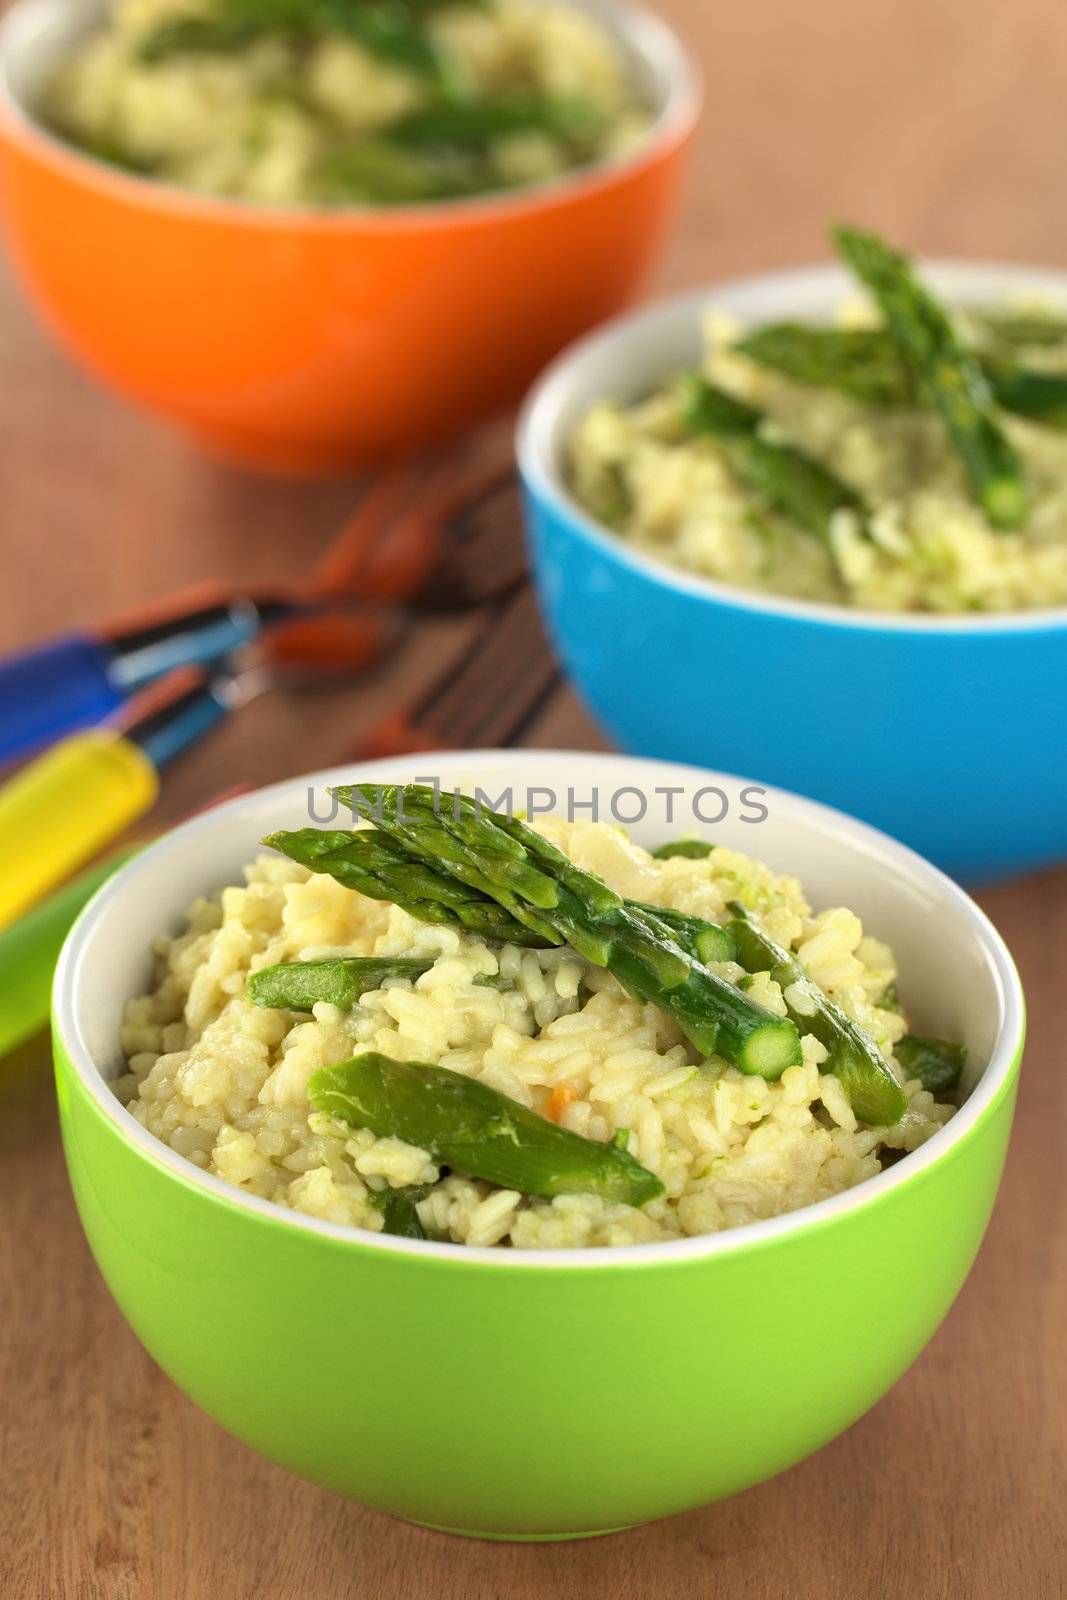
(515,1400)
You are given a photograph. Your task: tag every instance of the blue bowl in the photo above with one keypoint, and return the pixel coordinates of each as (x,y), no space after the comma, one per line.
(948,732)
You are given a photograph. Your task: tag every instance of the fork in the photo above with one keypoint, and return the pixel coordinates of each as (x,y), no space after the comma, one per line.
(427,533)
(487,698)
(401,537)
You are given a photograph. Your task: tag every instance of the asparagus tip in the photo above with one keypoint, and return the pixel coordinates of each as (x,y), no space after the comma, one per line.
(1005,502)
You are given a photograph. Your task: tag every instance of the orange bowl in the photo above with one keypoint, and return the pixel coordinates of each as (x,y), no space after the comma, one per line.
(299,339)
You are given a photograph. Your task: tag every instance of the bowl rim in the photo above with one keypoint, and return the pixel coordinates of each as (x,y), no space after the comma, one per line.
(541,471)
(646,34)
(986,1093)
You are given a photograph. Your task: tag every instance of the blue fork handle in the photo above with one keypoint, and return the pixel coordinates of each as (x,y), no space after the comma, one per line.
(54,689)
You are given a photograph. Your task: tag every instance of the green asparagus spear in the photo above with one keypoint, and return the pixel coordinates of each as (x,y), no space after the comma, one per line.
(192,35)
(944,372)
(389,29)
(111,150)
(386,30)
(1036,328)
(705,941)
(937,1063)
(299,985)
(783,477)
(708,409)
(397,1207)
(541,887)
(377,867)
(890,1001)
(690,849)
(1028,391)
(864,363)
(874,1093)
(375,170)
(475,1129)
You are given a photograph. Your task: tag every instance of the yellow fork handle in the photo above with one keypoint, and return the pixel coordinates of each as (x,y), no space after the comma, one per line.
(63,807)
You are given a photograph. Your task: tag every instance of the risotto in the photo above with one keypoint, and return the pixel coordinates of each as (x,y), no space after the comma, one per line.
(850,487)
(347,102)
(225,1081)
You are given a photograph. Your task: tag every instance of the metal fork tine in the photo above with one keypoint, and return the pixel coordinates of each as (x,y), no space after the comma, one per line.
(515,730)
(511,642)
(500,655)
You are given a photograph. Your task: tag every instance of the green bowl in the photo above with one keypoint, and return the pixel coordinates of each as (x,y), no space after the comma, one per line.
(525,1394)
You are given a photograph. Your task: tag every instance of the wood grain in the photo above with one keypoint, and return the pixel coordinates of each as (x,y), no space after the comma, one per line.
(945,125)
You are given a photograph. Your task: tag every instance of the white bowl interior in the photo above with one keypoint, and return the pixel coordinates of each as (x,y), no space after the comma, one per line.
(629,357)
(37,35)
(956,975)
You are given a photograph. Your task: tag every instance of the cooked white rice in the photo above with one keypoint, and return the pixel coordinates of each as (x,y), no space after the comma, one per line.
(931,549)
(257,123)
(224,1082)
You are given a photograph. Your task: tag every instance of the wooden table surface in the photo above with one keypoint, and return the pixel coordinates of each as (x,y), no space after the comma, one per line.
(944,125)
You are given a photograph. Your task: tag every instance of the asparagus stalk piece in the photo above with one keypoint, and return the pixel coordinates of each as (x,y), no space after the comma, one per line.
(704,941)
(864,363)
(689,849)
(945,373)
(539,886)
(1028,391)
(377,867)
(192,35)
(376,170)
(388,29)
(937,1063)
(708,409)
(861,362)
(890,1001)
(473,123)
(874,1093)
(299,985)
(475,1129)
(783,477)
(397,1208)
(1037,328)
